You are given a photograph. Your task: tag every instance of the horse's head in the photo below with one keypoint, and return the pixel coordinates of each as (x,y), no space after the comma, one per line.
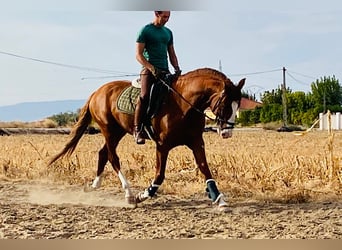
(227,106)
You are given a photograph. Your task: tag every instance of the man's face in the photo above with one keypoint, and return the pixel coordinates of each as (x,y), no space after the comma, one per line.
(163,17)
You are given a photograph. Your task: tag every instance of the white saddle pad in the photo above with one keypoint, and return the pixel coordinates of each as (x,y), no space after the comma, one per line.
(136,83)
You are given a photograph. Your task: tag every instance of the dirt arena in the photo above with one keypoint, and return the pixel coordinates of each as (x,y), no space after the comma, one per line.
(278,186)
(31,210)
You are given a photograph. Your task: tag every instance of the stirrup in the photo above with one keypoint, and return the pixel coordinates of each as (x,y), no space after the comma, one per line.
(138,137)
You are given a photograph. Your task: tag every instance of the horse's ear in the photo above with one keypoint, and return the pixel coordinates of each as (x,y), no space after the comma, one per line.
(241,83)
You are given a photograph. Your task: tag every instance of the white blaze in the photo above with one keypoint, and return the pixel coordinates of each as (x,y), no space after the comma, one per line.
(228,132)
(235,107)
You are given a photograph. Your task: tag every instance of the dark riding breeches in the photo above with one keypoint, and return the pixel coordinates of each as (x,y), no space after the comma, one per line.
(146,79)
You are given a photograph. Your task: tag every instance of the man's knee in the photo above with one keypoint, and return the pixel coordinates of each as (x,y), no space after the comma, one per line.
(143,100)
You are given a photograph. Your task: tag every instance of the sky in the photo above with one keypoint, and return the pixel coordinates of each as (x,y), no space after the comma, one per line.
(57,50)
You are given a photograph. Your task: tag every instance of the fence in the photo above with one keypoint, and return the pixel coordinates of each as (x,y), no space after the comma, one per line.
(329,121)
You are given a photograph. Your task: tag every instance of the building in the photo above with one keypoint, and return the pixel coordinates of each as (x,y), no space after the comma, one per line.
(329,121)
(245,104)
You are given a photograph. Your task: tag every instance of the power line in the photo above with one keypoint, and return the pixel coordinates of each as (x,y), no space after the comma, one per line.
(256,73)
(64,65)
(298,81)
(126,74)
(104,77)
(311,77)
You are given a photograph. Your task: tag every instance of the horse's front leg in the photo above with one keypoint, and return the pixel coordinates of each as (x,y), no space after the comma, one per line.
(130,199)
(159,176)
(212,190)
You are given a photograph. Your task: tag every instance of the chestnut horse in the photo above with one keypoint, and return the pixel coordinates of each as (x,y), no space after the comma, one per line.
(180,121)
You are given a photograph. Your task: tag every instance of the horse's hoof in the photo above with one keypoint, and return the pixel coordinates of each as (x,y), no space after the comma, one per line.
(140,197)
(221,205)
(131,200)
(88,188)
(224,209)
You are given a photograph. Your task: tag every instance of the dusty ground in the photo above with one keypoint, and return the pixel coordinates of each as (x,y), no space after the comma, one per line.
(37,210)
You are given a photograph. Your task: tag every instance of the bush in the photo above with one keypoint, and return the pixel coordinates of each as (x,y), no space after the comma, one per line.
(64,119)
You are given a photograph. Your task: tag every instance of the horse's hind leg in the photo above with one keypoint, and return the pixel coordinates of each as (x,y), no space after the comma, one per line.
(103,158)
(112,141)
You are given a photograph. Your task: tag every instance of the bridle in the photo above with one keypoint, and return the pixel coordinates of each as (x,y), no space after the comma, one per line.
(219,109)
(218,105)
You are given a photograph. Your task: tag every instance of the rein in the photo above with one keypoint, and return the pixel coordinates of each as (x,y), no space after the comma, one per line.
(192,106)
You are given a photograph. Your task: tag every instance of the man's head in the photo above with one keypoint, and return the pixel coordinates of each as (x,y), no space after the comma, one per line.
(161,17)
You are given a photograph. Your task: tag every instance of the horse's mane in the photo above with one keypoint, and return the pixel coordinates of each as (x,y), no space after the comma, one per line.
(207,71)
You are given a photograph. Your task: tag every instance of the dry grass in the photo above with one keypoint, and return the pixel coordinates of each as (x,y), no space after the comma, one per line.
(45,123)
(264,165)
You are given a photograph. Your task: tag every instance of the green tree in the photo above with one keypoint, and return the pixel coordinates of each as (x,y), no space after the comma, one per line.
(327,93)
(65,119)
(272,97)
(302,108)
(248,96)
(272,108)
(271,112)
(298,103)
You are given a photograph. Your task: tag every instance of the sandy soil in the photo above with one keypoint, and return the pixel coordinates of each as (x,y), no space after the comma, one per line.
(41,211)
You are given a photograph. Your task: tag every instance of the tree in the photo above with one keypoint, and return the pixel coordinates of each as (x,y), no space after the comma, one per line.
(66,118)
(272,109)
(302,108)
(272,97)
(271,112)
(327,93)
(248,96)
(298,104)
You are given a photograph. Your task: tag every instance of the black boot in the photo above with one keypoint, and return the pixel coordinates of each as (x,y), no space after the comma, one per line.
(138,134)
(140,111)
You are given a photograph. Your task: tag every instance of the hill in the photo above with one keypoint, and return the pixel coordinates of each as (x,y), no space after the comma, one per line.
(34,111)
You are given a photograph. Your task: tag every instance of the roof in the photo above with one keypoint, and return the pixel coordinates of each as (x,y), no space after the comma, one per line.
(247,104)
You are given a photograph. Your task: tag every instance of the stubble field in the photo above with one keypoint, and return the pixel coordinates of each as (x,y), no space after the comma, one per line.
(278,185)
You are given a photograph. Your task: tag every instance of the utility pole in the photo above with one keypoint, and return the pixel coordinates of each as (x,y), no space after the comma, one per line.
(284,99)
(220,66)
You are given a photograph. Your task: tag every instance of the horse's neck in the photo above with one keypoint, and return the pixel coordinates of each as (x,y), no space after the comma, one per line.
(199,94)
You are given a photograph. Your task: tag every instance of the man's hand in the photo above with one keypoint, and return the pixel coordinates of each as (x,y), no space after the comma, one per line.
(157,73)
(178,71)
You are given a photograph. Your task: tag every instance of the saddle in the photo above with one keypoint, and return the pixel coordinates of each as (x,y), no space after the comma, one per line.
(126,102)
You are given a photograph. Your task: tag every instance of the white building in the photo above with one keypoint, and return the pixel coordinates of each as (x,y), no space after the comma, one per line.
(334,119)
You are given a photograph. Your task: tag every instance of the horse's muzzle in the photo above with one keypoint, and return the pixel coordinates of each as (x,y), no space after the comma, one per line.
(227,131)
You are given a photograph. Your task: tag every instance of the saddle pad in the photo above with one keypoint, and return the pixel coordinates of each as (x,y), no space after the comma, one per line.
(127,100)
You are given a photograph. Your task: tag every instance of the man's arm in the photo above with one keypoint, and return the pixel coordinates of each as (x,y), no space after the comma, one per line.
(173,57)
(140,57)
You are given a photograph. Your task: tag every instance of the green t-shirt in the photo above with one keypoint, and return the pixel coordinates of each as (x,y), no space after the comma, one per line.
(156,40)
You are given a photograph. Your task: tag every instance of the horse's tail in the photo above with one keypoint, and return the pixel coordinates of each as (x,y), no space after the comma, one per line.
(78,130)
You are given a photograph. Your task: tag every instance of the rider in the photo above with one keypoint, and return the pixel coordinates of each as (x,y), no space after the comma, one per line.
(153,46)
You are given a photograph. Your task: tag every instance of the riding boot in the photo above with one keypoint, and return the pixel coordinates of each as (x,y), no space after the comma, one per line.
(140,111)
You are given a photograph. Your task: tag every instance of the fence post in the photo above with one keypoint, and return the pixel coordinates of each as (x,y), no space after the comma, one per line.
(331,149)
(329,122)
(321,121)
(338,120)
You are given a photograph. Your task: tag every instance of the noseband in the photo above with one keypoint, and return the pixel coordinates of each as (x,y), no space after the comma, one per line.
(219,107)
